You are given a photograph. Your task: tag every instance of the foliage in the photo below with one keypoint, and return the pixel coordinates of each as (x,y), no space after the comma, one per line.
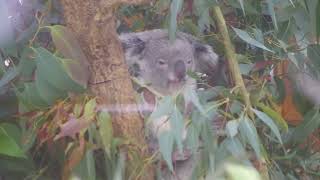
(49,127)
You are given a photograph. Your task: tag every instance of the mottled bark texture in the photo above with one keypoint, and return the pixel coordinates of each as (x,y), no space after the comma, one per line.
(93,23)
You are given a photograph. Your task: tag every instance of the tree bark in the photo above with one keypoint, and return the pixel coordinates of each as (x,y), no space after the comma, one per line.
(93,23)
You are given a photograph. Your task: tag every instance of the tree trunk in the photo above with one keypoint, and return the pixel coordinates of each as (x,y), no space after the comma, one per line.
(93,23)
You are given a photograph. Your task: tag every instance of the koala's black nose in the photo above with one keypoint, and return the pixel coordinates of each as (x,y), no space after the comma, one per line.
(180,70)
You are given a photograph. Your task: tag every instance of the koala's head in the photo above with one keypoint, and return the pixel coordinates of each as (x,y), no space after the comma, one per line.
(160,63)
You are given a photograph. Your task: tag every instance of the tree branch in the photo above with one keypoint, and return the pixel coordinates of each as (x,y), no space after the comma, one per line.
(232,60)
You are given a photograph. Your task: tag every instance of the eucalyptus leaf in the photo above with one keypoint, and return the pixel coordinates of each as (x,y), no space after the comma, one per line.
(275,116)
(232,128)
(47,91)
(272,13)
(8,76)
(190,95)
(313,52)
(242,6)
(30,97)
(318,21)
(310,124)
(89,109)
(8,145)
(192,140)
(164,107)
(202,10)
(50,68)
(66,43)
(249,132)
(175,8)
(269,122)
(241,172)
(235,147)
(105,129)
(247,38)
(166,142)
(6,30)
(176,122)
(120,169)
(91,165)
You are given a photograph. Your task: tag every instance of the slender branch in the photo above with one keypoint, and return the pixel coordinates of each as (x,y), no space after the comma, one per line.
(235,74)
(232,61)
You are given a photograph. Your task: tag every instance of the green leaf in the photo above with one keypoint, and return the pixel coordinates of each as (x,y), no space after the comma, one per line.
(164,107)
(310,124)
(66,43)
(269,122)
(192,140)
(190,95)
(30,97)
(245,68)
(166,141)
(13,131)
(120,169)
(313,52)
(25,35)
(235,147)
(8,76)
(318,21)
(8,146)
(202,11)
(247,38)
(176,122)
(8,105)
(47,91)
(50,68)
(7,30)
(189,26)
(89,109)
(175,8)
(232,128)
(27,63)
(242,6)
(105,129)
(241,172)
(29,135)
(275,116)
(90,165)
(249,132)
(272,13)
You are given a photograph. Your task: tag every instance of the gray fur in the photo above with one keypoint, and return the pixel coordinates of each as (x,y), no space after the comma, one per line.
(162,64)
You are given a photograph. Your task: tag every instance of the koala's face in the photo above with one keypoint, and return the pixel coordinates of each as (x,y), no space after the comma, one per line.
(164,65)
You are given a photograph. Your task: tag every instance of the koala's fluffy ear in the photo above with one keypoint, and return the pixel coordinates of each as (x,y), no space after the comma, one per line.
(133,48)
(206,60)
(209,63)
(205,56)
(132,45)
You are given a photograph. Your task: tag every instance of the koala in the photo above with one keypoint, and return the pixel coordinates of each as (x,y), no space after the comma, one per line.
(163,65)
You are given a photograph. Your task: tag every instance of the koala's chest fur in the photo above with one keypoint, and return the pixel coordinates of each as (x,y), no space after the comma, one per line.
(163,65)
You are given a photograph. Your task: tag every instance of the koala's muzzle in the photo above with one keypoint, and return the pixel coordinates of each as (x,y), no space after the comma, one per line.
(179,71)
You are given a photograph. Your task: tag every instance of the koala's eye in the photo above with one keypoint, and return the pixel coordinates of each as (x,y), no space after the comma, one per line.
(161,62)
(189,62)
